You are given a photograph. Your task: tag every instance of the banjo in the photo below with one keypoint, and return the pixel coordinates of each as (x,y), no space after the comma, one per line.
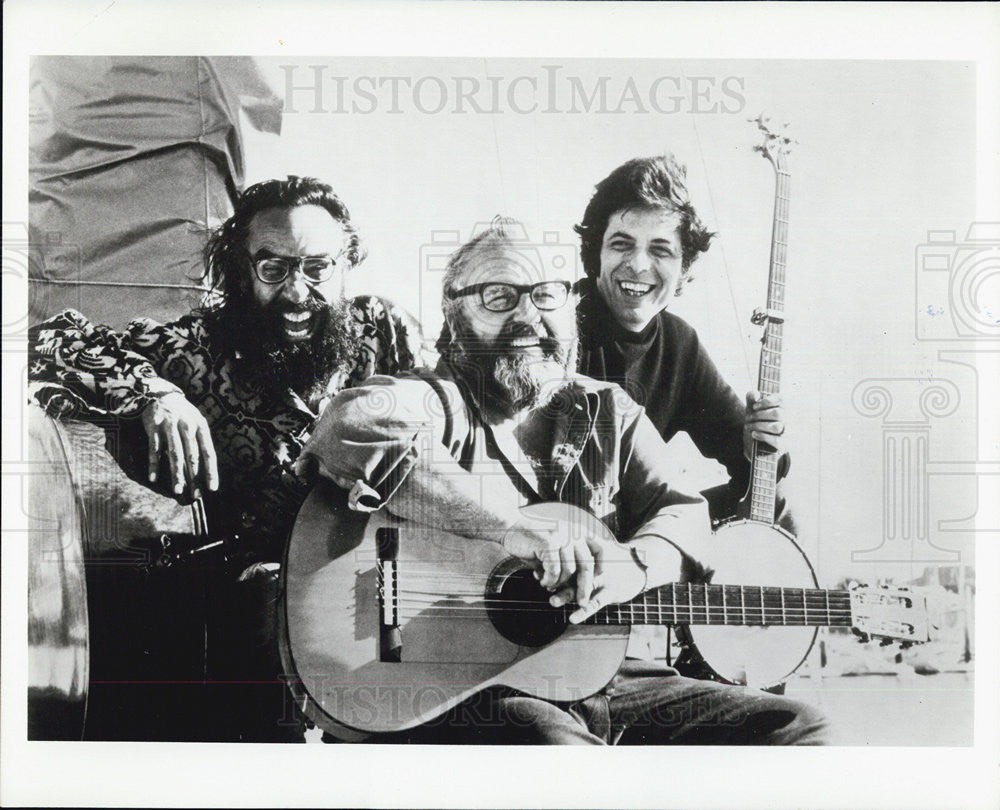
(765,656)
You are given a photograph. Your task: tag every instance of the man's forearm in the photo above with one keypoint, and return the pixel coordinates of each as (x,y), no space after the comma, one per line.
(82,370)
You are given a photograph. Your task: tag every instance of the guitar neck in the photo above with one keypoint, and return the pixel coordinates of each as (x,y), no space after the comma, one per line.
(732,605)
(764,472)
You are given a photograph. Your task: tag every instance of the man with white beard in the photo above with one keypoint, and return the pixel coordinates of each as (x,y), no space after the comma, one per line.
(503,422)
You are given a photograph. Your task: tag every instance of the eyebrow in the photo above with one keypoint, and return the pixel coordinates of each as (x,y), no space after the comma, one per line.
(623,235)
(266,253)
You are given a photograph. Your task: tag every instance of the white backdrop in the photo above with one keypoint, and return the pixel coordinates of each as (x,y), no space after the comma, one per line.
(886,155)
(886,152)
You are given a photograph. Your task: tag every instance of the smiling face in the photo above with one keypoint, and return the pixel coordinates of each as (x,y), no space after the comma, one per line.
(291,233)
(522,329)
(521,353)
(641,264)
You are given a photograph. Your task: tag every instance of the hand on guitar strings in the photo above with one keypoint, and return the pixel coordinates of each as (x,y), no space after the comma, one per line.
(617,577)
(179,437)
(764,423)
(560,558)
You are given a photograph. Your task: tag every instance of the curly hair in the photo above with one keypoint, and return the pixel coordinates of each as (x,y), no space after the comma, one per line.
(653,182)
(225,256)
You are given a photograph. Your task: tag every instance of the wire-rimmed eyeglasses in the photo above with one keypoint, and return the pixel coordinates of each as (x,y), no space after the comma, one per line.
(275,269)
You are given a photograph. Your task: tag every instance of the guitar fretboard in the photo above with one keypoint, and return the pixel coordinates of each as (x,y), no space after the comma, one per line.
(764,473)
(732,605)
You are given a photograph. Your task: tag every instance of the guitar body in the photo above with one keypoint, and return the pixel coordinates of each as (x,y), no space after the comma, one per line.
(753,554)
(335,640)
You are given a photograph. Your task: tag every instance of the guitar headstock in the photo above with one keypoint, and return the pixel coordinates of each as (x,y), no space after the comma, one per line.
(776,144)
(891,612)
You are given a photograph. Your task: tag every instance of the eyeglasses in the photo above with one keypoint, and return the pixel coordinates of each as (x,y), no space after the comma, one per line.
(499,296)
(275,269)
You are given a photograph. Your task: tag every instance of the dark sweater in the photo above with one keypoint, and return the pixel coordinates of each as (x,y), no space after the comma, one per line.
(666,370)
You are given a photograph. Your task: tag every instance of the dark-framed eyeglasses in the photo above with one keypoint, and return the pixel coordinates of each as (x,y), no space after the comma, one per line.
(502,296)
(275,269)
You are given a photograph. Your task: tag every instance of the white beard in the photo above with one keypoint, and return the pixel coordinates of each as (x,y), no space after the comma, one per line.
(529,382)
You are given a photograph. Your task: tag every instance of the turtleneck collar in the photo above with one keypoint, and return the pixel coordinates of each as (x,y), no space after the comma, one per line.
(597,319)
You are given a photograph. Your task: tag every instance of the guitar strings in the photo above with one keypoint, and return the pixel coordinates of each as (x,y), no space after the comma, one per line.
(542,608)
(755,604)
(430,609)
(777,605)
(817,605)
(695,588)
(811,621)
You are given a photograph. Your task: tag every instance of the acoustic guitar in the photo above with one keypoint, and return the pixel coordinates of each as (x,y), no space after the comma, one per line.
(388,624)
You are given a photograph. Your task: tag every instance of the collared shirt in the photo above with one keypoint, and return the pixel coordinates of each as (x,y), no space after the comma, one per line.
(593,447)
(81,370)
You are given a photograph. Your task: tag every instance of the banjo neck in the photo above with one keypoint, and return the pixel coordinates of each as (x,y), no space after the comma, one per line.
(764,461)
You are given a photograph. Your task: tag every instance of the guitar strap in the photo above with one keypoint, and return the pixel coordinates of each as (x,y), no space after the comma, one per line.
(521,484)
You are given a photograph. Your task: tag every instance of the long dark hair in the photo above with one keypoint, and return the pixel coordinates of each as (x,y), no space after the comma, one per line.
(227,265)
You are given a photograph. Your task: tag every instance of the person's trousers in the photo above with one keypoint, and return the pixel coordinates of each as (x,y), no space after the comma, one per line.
(647,703)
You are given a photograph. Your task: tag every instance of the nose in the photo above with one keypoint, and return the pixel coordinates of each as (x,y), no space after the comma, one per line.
(526,311)
(641,260)
(295,288)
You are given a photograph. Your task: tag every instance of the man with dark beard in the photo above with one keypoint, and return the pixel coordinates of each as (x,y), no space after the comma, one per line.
(503,422)
(227,395)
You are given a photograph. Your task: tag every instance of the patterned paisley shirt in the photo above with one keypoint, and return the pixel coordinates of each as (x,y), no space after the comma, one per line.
(81,370)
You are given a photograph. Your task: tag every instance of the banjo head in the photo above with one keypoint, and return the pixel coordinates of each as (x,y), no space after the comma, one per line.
(754,554)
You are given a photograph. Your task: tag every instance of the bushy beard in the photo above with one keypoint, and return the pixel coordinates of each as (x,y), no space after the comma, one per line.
(505,379)
(306,366)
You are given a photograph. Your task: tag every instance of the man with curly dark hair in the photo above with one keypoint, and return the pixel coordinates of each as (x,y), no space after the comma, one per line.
(640,236)
(227,395)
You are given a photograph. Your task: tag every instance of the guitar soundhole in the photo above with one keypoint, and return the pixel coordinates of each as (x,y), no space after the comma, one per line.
(519,608)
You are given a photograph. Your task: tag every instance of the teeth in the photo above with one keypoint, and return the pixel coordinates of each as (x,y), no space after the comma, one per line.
(298,317)
(525,341)
(634,288)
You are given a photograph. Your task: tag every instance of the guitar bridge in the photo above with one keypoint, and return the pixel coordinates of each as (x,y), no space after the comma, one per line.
(390,638)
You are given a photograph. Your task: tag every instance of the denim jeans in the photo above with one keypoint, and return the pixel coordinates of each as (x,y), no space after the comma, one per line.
(647,703)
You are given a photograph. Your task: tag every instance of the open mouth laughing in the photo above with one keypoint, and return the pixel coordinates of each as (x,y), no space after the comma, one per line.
(297,324)
(525,342)
(634,289)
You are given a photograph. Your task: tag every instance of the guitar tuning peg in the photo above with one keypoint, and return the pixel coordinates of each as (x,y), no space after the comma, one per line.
(884,642)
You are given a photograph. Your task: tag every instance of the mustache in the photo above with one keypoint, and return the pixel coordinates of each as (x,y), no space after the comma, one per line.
(281,306)
(515,330)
